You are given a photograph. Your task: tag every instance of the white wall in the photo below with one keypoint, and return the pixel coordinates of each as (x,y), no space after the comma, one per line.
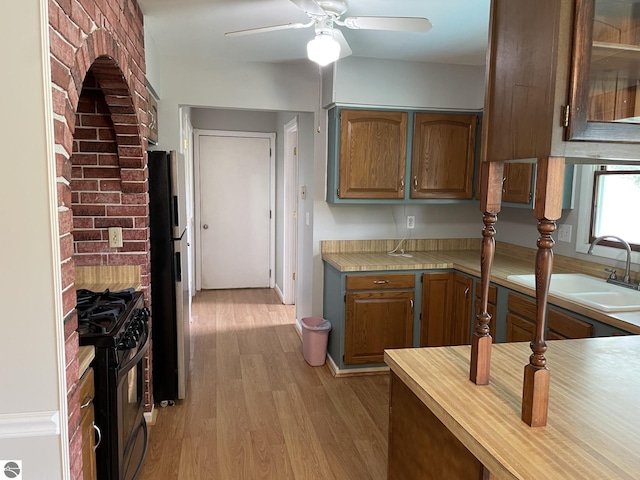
(366,81)
(32,353)
(235,120)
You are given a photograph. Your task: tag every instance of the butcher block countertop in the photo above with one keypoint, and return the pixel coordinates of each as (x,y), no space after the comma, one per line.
(99,278)
(464,255)
(593,429)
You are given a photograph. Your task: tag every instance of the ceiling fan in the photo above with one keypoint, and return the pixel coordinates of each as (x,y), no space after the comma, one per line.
(329,43)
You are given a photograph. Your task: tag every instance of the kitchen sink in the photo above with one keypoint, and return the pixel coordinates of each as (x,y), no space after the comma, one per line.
(589,291)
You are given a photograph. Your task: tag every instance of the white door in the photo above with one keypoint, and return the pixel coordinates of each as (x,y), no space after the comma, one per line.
(235,206)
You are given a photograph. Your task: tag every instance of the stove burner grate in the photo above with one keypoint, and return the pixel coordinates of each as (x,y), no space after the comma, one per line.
(98,312)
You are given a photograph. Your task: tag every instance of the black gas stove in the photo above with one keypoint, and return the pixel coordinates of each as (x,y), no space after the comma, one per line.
(115,323)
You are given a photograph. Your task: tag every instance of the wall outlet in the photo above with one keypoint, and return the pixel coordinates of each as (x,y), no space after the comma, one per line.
(564,232)
(411,221)
(115,237)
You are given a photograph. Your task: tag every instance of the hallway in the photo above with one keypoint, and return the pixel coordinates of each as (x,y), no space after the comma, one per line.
(255,409)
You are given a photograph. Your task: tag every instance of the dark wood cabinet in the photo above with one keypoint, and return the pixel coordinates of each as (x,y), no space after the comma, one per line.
(443,155)
(563,81)
(87,426)
(518,183)
(521,320)
(446,309)
(373,146)
(379,315)
(368,162)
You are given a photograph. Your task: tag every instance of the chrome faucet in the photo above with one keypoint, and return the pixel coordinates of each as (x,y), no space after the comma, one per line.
(627,267)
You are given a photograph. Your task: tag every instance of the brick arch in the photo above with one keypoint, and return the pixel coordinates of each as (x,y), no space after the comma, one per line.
(101,54)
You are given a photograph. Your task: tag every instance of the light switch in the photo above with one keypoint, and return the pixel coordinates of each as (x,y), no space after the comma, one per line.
(115,237)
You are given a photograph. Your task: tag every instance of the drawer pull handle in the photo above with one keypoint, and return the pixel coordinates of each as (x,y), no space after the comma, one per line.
(87,403)
(411,303)
(380,282)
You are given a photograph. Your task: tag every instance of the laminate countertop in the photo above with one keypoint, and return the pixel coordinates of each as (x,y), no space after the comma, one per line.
(594,413)
(85,357)
(516,261)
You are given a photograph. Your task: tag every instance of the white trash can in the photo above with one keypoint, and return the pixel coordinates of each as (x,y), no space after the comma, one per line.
(315,334)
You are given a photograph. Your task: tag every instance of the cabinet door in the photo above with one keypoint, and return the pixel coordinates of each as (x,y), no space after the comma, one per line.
(443,153)
(519,329)
(373,147)
(375,321)
(517,182)
(86,389)
(461,310)
(437,294)
(605,91)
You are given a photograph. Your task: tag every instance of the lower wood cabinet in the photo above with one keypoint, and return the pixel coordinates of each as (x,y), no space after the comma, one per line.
(446,309)
(521,322)
(87,426)
(379,315)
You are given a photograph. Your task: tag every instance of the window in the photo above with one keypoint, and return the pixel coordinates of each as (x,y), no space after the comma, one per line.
(616,200)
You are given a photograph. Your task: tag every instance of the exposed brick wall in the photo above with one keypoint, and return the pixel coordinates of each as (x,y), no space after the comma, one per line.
(96,189)
(106,37)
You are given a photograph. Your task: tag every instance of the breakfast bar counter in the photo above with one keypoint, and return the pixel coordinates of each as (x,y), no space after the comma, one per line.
(444,426)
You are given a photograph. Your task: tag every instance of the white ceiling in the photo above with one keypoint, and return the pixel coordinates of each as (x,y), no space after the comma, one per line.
(197,27)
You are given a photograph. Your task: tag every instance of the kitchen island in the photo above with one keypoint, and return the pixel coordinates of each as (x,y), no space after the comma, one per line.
(444,426)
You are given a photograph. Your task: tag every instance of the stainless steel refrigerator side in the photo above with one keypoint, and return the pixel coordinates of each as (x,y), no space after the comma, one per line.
(179,192)
(183,314)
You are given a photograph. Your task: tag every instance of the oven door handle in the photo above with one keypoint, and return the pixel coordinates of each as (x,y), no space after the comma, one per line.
(99,434)
(124,370)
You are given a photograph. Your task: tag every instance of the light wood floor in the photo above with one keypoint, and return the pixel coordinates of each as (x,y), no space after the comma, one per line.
(256,410)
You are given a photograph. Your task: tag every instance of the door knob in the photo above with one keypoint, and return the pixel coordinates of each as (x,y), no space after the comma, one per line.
(205,226)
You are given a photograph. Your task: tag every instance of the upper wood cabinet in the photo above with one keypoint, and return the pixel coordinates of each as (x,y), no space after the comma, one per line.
(563,81)
(368,163)
(443,155)
(518,183)
(373,147)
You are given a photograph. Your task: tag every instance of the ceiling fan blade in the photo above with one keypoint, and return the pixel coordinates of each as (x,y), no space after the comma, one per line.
(309,6)
(402,24)
(345,49)
(271,28)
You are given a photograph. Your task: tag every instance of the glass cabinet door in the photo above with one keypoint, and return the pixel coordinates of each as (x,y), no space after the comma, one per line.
(605,82)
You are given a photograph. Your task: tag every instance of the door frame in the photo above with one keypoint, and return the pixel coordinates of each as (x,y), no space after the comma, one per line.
(291,182)
(197,134)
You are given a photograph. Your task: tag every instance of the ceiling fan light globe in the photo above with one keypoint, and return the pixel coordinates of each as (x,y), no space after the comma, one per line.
(323,50)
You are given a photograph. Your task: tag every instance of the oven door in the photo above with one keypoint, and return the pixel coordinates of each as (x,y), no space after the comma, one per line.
(132,428)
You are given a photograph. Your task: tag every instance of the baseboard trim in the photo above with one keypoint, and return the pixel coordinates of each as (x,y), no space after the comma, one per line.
(35,424)
(298,328)
(279,293)
(151,416)
(353,372)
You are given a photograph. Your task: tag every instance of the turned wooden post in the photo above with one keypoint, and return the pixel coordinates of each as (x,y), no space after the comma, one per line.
(547,209)
(490,199)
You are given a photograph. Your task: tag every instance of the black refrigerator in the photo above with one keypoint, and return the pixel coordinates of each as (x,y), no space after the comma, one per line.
(170,301)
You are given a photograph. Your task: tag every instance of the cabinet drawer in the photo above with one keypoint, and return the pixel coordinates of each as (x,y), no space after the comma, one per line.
(519,329)
(522,306)
(86,387)
(567,326)
(375,282)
